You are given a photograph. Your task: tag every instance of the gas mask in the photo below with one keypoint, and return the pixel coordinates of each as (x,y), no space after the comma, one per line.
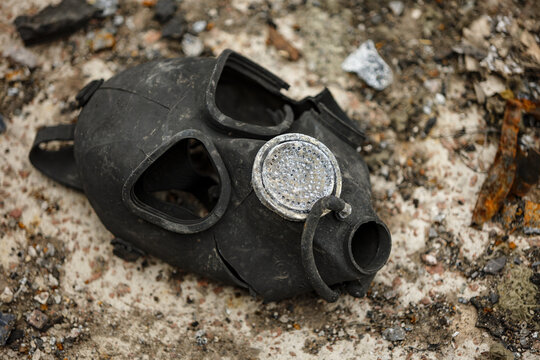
(205,164)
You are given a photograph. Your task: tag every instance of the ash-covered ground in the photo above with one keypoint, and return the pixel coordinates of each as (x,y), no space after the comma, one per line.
(450,290)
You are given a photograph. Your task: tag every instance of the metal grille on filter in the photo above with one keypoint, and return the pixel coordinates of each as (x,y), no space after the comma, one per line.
(292,171)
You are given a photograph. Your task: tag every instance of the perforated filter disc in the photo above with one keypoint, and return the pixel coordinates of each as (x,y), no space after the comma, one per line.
(292,171)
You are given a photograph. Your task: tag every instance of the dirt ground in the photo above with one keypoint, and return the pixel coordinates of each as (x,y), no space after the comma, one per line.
(432,136)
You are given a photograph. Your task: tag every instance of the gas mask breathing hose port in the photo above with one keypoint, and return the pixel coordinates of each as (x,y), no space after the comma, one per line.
(369,246)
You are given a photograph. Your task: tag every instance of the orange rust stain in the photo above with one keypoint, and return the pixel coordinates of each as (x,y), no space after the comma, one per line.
(149,3)
(531,217)
(15,75)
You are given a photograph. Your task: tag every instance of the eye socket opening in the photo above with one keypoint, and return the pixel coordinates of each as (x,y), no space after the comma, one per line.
(183,184)
(369,246)
(243,99)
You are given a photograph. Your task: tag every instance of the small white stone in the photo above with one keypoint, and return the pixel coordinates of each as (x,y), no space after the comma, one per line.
(52,280)
(118,20)
(440,99)
(50,250)
(369,66)
(430,259)
(433,85)
(32,251)
(192,45)
(284,319)
(74,333)
(416,13)
(44,205)
(396,7)
(42,297)
(199,26)
(57,299)
(7,296)
(37,355)
(12,91)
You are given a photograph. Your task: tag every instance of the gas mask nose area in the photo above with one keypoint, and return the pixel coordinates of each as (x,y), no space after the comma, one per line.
(369,246)
(291,172)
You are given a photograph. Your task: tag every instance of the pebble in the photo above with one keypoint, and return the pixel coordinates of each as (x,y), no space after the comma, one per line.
(440,99)
(51,250)
(174,29)
(57,299)
(53,282)
(493,297)
(102,40)
(32,251)
(74,333)
(107,7)
(151,36)
(394,334)
(416,13)
(390,294)
(192,45)
(37,319)
(118,20)
(7,295)
(199,26)
(7,322)
(164,10)
(439,217)
(494,266)
(12,91)
(16,213)
(433,85)
(201,338)
(21,55)
(396,7)
(369,66)
(429,259)
(42,297)
(432,232)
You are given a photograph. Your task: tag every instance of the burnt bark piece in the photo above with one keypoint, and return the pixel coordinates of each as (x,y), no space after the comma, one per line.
(52,21)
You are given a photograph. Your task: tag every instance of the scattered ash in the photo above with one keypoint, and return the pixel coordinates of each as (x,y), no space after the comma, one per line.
(427,326)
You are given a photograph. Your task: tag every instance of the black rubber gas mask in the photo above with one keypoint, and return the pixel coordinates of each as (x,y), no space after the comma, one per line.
(205,164)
